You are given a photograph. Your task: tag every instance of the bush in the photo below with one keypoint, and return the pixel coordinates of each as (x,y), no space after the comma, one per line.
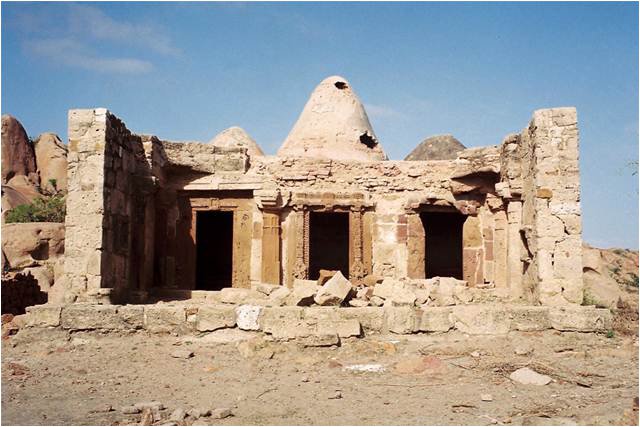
(42,209)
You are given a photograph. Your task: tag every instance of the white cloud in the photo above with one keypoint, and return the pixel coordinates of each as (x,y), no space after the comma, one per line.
(84,19)
(70,52)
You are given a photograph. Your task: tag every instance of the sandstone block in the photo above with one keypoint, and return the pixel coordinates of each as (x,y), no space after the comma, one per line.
(435,319)
(401,320)
(266,288)
(319,340)
(371,319)
(343,328)
(211,318)
(43,316)
(247,317)
(325,275)
(481,319)
(279,296)
(164,318)
(89,316)
(240,295)
(581,319)
(132,316)
(303,292)
(334,291)
(395,292)
(529,318)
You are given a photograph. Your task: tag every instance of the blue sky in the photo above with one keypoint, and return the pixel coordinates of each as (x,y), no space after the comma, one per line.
(186,71)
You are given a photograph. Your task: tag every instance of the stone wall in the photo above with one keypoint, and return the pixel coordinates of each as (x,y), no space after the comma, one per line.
(109,180)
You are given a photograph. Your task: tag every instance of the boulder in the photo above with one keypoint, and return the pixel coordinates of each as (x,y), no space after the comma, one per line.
(28,244)
(18,157)
(51,161)
(334,291)
(439,147)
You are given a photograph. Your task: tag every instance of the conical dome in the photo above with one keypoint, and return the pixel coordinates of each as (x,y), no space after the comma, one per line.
(237,137)
(333,125)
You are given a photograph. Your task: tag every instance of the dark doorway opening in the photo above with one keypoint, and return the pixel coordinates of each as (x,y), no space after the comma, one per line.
(214,242)
(443,243)
(328,243)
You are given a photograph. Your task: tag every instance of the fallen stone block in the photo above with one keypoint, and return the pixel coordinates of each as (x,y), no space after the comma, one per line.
(43,316)
(580,319)
(303,292)
(283,323)
(325,275)
(265,288)
(394,292)
(211,318)
(279,296)
(240,295)
(247,317)
(220,413)
(358,302)
(334,291)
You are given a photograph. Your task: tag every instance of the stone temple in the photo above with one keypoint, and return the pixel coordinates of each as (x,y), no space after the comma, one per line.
(488,238)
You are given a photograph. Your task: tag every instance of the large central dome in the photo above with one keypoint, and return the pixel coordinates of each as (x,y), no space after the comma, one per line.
(333,125)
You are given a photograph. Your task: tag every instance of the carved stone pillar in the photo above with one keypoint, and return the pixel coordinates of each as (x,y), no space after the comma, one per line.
(301,265)
(271,247)
(415,246)
(356,264)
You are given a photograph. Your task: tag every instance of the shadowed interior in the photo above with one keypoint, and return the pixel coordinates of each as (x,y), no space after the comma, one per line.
(328,243)
(443,243)
(214,241)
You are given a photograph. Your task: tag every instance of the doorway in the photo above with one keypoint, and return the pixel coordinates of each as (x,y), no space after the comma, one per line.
(214,246)
(443,243)
(328,243)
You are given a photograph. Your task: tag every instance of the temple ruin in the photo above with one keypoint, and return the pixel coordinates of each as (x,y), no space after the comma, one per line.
(221,223)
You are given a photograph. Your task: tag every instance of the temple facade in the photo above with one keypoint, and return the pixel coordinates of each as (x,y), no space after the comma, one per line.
(149,219)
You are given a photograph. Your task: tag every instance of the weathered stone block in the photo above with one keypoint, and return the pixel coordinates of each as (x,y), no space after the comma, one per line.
(43,316)
(481,319)
(529,318)
(164,318)
(401,320)
(211,318)
(247,317)
(581,319)
(343,328)
(88,316)
(240,295)
(132,316)
(303,292)
(435,319)
(371,319)
(334,291)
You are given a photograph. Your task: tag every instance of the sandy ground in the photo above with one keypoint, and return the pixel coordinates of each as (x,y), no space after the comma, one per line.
(427,379)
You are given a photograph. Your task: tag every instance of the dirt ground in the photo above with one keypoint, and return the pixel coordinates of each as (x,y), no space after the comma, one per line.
(436,379)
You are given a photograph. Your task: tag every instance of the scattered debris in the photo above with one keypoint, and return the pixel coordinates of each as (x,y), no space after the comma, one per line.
(182,354)
(371,367)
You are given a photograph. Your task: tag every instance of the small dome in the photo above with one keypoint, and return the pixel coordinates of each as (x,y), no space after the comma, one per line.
(333,125)
(237,137)
(439,147)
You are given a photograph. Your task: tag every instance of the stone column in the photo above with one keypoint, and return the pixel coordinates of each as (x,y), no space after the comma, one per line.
(472,251)
(514,249)
(271,247)
(500,250)
(356,264)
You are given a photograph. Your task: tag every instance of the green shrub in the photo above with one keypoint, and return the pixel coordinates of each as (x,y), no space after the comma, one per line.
(42,209)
